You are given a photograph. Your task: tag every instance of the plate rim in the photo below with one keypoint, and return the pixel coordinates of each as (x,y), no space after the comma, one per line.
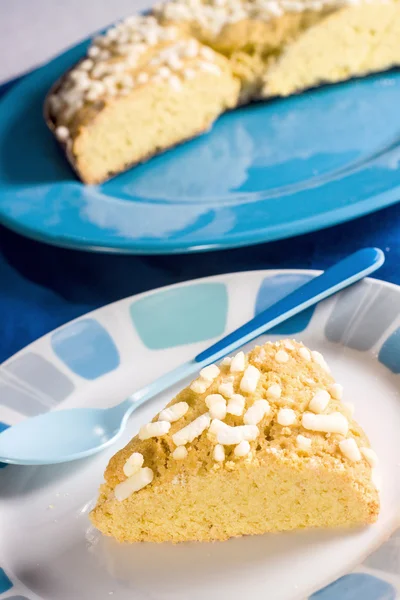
(335,217)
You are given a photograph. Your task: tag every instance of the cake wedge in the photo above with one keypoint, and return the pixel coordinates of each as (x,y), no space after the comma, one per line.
(141,89)
(261,443)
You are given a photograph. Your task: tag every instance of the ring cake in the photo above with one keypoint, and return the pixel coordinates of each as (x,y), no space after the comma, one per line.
(151,82)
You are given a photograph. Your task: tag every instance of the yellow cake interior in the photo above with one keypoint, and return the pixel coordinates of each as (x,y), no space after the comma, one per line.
(152,120)
(351,42)
(160,111)
(288,477)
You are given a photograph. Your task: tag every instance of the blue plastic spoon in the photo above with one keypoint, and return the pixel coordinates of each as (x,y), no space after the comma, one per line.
(66,435)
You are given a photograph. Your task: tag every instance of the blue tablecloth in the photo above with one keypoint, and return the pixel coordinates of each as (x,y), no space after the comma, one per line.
(42,287)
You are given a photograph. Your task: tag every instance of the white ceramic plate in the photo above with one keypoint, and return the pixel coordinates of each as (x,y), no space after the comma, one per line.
(48,550)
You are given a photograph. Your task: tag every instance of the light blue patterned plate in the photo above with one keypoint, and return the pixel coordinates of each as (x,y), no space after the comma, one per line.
(47,549)
(264,172)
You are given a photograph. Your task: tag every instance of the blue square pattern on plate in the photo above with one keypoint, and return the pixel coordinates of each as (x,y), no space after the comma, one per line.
(86,348)
(5,582)
(357,586)
(181,315)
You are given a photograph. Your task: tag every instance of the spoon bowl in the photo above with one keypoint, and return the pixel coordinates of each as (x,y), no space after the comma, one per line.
(49,438)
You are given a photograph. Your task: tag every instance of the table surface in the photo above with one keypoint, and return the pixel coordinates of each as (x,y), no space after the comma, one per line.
(42,287)
(39,30)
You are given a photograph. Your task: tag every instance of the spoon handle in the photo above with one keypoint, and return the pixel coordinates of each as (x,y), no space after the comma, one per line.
(336,278)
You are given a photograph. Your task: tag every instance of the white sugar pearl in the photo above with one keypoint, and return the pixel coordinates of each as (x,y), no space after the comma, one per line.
(218,411)
(133,484)
(370,456)
(281,356)
(276,10)
(110,81)
(336,391)
(319,359)
(286,417)
(86,65)
(303,442)
(350,449)
(133,464)
(305,354)
(238,363)
(199,386)
(274,391)
(156,429)
(99,70)
(180,453)
(250,379)
(151,38)
(78,75)
(209,373)
(62,133)
(333,423)
(97,86)
(112,34)
(231,436)
(236,405)
(320,401)
(216,426)
(219,453)
(174,412)
(256,412)
(217,406)
(226,389)
(92,96)
(192,430)
(164,72)
(93,51)
(288,345)
(242,449)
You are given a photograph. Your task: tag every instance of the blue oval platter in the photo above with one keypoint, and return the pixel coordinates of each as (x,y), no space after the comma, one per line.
(264,172)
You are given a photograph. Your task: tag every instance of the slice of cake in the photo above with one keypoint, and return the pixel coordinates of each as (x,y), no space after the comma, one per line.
(350,42)
(143,88)
(262,443)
